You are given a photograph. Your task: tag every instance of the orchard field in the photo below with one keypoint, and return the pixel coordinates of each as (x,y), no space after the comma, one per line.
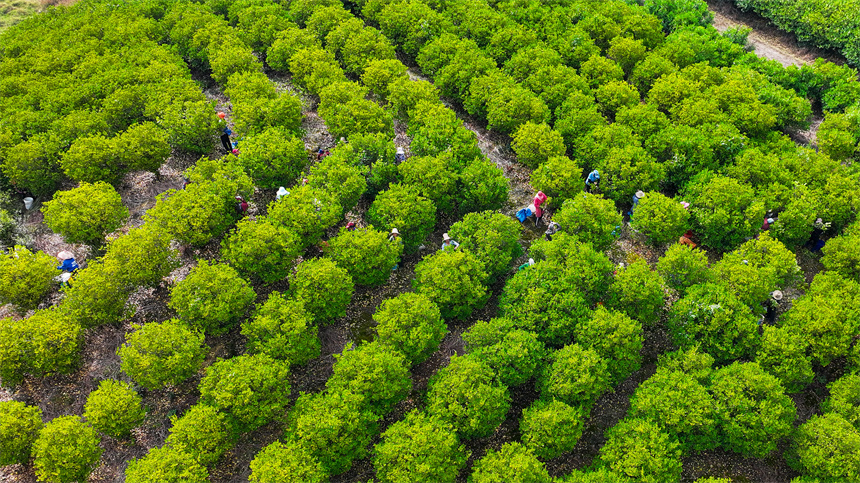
(243,313)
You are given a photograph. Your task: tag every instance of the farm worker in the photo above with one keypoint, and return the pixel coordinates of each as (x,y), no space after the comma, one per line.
(685,205)
(815,242)
(400,156)
(225,134)
(322,153)
(765,226)
(394,237)
(235,152)
(448,242)
(687,239)
(241,205)
(185,182)
(592,181)
(772,304)
(551,230)
(350,226)
(636,197)
(281,193)
(539,199)
(68,263)
(526,265)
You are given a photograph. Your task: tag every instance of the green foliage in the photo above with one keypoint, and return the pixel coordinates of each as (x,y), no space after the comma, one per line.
(402,207)
(558,177)
(379,74)
(282,329)
(252,389)
(616,338)
(637,291)
(142,257)
(19,427)
(826,447)
(98,295)
(274,157)
(837,137)
(783,355)
(752,411)
(682,267)
(454,280)
(725,212)
(286,43)
(676,14)
(412,324)
(335,427)
(599,70)
(288,462)
(314,68)
(491,237)
(466,394)
(844,398)
(85,214)
(345,182)
(198,213)
(433,178)
(514,354)
(66,450)
(323,287)
(639,449)
(484,186)
(550,428)
(158,354)
(48,342)
(366,253)
(211,298)
(33,164)
(347,113)
(616,95)
(514,463)
(114,408)
(842,255)
(679,404)
(202,432)
(25,277)
(259,248)
(577,375)
(660,218)
(627,52)
(307,212)
(691,361)
(710,316)
(536,143)
(143,147)
(166,464)
(405,94)
(582,268)
(591,218)
(374,371)
(419,449)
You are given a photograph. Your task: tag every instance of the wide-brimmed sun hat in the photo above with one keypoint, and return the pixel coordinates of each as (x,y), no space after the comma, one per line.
(65,255)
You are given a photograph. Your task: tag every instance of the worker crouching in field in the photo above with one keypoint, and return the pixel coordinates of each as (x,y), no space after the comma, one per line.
(68,265)
(447,242)
(394,237)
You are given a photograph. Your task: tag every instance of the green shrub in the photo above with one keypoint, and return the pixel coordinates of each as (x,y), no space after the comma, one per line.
(287,42)
(512,107)
(826,448)
(366,253)
(193,216)
(591,218)
(514,354)
(347,114)
(599,70)
(466,394)
(483,186)
(783,355)
(345,182)
(401,206)
(842,255)
(282,329)
(412,324)
(379,74)
(680,405)
(638,292)
(307,212)
(19,427)
(253,389)
(536,143)
(724,211)
(163,353)
(558,177)
(844,398)
(639,449)
(454,280)
(96,158)
(575,375)
(550,428)
(710,316)
(211,298)
(33,164)
(616,338)
(288,462)
(143,256)
(492,237)
(676,14)
(66,450)
(202,433)
(47,342)
(323,287)
(335,427)
(683,267)
(85,214)
(582,268)
(433,178)
(274,157)
(114,408)
(98,295)
(752,411)
(374,371)
(25,277)
(660,218)
(419,449)
(514,463)
(191,125)
(260,249)
(166,464)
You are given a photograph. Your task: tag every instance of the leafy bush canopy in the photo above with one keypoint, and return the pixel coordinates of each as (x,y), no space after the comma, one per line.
(514,462)
(167,464)
(289,462)
(492,237)
(576,376)
(211,298)
(66,450)
(373,371)
(591,218)
(453,280)
(157,354)
(202,432)
(48,342)
(412,324)
(514,354)
(402,207)
(323,287)
(20,425)
(550,428)
(639,449)
(261,249)
(282,329)
(26,277)
(85,214)
(114,408)
(366,254)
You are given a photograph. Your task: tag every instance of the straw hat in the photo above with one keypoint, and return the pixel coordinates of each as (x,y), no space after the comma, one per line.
(777,295)
(531,261)
(640,194)
(770,221)
(65,255)
(400,151)
(394,231)
(445,237)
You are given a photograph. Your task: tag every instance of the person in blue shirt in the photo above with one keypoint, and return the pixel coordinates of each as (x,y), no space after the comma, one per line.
(447,242)
(592,181)
(68,264)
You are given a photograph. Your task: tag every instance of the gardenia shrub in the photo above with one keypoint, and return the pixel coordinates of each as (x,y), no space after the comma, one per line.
(211,298)
(142,257)
(66,450)
(287,462)
(660,218)
(454,280)
(306,211)
(98,295)
(158,354)
(273,157)
(282,329)
(203,433)
(825,447)
(411,324)
(560,178)
(576,376)
(551,427)
(25,277)
(638,291)
(259,248)
(366,254)
(783,353)
(491,237)
(513,354)
(323,287)
(19,427)
(85,214)
(639,449)
(373,371)
(616,338)
(845,398)
(591,218)
(514,463)
(114,408)
(167,465)
(724,211)
(682,267)
(48,342)
(401,206)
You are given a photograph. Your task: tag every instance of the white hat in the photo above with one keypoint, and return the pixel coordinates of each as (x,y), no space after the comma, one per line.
(640,194)
(65,255)
(445,237)
(770,221)
(777,295)
(531,261)
(394,231)
(400,150)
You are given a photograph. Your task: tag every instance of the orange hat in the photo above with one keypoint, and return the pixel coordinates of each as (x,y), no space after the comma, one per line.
(222,115)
